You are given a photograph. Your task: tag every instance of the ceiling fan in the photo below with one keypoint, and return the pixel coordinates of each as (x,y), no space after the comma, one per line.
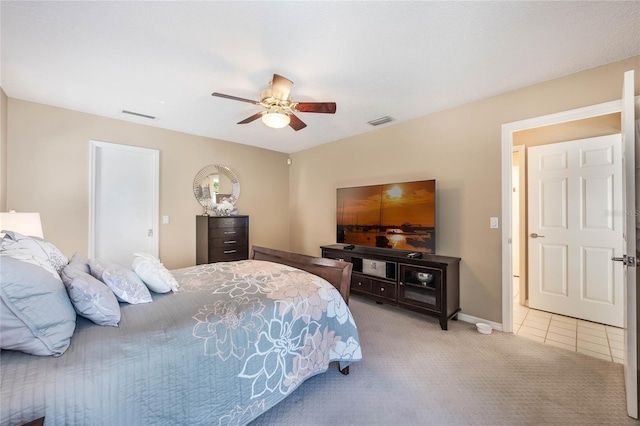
(280,109)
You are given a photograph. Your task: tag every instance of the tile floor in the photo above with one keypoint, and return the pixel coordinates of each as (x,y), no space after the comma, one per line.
(589,338)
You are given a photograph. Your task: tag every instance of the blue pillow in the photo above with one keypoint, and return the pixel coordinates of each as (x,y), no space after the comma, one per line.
(36,315)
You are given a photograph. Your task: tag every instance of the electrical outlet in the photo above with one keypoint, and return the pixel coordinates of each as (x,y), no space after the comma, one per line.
(165,220)
(493,222)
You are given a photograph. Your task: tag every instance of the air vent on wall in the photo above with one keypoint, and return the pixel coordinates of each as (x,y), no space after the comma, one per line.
(137,114)
(381,120)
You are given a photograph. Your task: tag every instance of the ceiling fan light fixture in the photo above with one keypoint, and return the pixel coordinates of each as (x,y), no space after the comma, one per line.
(281,111)
(275,119)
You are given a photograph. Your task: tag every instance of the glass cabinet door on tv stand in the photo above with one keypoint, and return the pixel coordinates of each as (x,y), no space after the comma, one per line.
(420,286)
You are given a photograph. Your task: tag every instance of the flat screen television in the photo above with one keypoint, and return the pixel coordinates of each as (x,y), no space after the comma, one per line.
(395,215)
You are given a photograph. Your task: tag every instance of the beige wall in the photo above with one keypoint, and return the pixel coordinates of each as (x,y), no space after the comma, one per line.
(461,148)
(48,171)
(3,150)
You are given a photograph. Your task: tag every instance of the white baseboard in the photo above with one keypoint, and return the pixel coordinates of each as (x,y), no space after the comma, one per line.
(468,318)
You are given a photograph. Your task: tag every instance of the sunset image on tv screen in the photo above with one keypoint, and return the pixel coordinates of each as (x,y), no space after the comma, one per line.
(398,215)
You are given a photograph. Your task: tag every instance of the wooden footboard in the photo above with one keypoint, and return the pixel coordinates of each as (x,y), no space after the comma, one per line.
(336,272)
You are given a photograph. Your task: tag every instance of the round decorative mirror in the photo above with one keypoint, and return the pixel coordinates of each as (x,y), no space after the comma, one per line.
(214,184)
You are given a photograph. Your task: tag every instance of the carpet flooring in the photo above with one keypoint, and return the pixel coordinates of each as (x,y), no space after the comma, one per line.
(414,373)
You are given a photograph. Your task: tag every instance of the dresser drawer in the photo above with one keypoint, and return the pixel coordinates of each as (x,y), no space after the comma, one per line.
(229,222)
(231,233)
(383,289)
(228,254)
(359,283)
(227,242)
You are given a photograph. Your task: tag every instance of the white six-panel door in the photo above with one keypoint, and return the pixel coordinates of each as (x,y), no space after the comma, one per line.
(575,228)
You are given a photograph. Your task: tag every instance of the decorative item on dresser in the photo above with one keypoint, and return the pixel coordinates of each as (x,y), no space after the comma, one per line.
(221,238)
(428,284)
(217,189)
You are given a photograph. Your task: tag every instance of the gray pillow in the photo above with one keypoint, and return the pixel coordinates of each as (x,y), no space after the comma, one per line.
(80,262)
(36,315)
(125,284)
(91,298)
(97,267)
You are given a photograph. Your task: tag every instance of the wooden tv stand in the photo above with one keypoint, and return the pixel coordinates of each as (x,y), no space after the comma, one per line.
(429,285)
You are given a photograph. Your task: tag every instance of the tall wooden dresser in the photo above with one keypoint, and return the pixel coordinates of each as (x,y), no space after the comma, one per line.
(221,238)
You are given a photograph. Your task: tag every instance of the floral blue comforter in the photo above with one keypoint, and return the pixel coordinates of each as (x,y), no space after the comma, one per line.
(236,339)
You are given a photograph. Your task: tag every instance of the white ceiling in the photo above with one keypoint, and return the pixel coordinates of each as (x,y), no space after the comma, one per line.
(374,59)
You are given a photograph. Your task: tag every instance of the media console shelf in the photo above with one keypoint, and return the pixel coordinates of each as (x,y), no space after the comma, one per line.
(429,285)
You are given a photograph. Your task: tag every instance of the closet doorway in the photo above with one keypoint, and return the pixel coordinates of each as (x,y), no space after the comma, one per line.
(124,199)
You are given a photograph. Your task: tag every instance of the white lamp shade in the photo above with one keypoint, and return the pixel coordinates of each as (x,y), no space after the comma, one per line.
(23,223)
(276,120)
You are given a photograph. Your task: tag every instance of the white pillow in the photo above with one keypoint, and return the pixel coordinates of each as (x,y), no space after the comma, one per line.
(124,283)
(33,250)
(153,273)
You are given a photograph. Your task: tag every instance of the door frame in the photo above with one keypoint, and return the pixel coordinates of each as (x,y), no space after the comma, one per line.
(508,130)
(522,206)
(94,146)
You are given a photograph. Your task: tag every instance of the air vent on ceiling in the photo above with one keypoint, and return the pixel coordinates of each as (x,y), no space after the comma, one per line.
(381,120)
(137,114)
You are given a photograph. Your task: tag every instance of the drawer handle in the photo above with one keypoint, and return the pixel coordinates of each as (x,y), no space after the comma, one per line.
(229,251)
(229,232)
(230,242)
(401,283)
(381,288)
(359,283)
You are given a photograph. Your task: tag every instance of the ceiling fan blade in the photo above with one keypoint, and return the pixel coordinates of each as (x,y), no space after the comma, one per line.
(252,118)
(234,98)
(323,107)
(281,87)
(295,123)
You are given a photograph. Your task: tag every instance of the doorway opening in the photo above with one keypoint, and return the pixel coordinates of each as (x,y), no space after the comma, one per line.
(597,120)
(626,106)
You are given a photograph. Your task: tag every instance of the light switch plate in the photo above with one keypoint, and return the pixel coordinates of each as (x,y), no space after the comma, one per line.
(493,223)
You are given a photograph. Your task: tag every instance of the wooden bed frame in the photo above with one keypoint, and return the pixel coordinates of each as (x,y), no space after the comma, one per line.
(338,273)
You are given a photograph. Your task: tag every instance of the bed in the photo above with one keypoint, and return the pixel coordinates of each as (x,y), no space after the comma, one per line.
(232,342)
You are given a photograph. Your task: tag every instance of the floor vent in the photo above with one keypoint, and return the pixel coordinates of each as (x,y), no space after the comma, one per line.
(137,114)
(381,120)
